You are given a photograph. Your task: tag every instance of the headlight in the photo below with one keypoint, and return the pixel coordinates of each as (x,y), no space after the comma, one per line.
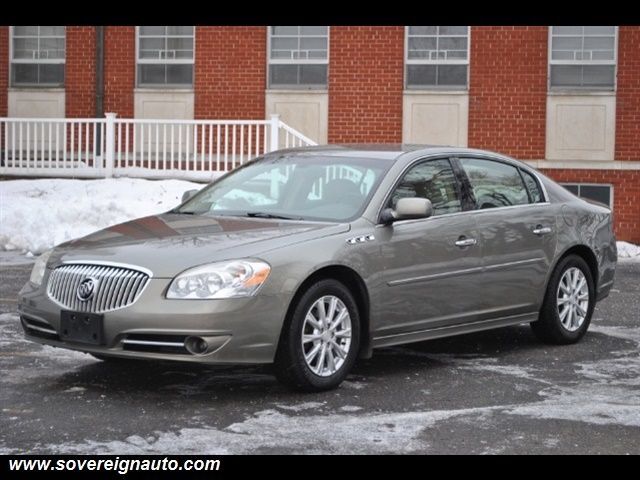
(238,278)
(39,267)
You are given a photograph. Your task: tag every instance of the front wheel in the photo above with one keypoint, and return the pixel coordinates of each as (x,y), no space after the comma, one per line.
(320,341)
(569,303)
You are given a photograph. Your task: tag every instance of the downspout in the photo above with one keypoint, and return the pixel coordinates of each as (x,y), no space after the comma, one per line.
(99,80)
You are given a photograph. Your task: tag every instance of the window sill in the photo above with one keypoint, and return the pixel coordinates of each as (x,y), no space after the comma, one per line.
(161,89)
(37,89)
(316,91)
(581,92)
(419,91)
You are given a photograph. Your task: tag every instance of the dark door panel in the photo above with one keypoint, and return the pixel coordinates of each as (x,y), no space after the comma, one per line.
(430,281)
(431,266)
(518,235)
(516,259)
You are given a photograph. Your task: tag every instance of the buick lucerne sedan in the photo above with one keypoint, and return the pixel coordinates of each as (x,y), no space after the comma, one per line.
(310,258)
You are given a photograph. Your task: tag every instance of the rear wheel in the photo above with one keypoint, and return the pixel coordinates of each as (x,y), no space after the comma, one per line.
(319,343)
(569,302)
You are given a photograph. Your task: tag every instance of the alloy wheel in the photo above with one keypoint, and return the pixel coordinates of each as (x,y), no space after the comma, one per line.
(326,335)
(573,299)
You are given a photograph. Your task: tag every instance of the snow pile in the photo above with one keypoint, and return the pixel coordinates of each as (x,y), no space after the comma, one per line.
(35,215)
(628,250)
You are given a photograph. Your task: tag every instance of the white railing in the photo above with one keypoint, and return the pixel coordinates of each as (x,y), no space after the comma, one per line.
(89,147)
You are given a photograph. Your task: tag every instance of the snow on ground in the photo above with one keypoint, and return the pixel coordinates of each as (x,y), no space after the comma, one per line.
(35,215)
(603,393)
(628,251)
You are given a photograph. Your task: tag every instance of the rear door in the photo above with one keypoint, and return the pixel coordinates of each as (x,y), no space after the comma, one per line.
(517,230)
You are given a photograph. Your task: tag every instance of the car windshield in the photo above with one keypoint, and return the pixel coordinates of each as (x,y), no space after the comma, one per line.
(301,187)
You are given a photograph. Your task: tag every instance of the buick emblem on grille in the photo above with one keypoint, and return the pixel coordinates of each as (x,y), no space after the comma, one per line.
(86,289)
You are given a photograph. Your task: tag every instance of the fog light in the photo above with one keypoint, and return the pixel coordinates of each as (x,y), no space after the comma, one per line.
(196,345)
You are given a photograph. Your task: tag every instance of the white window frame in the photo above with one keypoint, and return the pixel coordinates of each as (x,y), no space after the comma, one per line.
(423,61)
(551,62)
(166,61)
(587,184)
(51,61)
(296,61)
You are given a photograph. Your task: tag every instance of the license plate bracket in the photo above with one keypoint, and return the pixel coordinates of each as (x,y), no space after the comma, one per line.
(82,327)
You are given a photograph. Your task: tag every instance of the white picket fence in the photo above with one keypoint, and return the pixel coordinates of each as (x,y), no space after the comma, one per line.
(110,146)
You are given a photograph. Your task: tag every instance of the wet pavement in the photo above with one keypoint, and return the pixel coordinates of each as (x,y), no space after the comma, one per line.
(493,392)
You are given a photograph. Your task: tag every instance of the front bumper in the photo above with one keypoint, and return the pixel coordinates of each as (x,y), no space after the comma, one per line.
(239,330)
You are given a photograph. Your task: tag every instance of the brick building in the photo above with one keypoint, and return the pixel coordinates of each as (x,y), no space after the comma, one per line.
(564,99)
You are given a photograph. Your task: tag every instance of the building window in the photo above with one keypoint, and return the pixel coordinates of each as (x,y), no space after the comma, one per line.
(165,56)
(597,193)
(583,57)
(298,57)
(37,56)
(437,57)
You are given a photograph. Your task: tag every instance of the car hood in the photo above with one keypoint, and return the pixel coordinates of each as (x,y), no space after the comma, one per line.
(168,244)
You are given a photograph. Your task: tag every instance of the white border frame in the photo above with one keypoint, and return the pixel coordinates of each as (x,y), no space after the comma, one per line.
(297,88)
(591,184)
(574,88)
(435,88)
(181,61)
(49,61)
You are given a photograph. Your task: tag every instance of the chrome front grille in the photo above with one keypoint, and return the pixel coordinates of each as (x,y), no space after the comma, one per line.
(116,287)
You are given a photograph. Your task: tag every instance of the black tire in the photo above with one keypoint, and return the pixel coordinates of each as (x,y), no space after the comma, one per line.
(290,365)
(549,328)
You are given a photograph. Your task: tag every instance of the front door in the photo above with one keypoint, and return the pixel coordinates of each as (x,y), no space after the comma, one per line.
(432,266)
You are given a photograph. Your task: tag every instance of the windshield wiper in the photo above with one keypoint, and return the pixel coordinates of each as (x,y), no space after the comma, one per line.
(183,212)
(271,215)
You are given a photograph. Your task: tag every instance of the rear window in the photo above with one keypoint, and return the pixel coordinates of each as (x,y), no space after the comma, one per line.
(495,184)
(532,187)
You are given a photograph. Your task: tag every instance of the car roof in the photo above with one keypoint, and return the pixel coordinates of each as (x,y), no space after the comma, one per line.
(383,151)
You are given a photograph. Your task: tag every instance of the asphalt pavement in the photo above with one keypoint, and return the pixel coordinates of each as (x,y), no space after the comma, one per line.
(493,392)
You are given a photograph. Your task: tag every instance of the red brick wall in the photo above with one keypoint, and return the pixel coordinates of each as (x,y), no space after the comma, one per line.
(119,70)
(628,95)
(365,84)
(4,69)
(230,72)
(80,72)
(508,90)
(626,193)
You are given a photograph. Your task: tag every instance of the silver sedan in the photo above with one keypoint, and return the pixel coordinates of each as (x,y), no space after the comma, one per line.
(311,258)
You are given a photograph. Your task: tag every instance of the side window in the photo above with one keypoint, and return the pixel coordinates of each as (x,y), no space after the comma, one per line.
(532,186)
(433,179)
(494,184)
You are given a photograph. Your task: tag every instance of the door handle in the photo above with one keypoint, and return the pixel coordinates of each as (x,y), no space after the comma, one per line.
(540,230)
(465,242)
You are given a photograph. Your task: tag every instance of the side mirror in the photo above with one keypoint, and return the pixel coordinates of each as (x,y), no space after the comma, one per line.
(407,208)
(188,194)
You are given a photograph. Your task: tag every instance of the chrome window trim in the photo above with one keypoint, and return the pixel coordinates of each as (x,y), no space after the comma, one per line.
(449,156)
(444,215)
